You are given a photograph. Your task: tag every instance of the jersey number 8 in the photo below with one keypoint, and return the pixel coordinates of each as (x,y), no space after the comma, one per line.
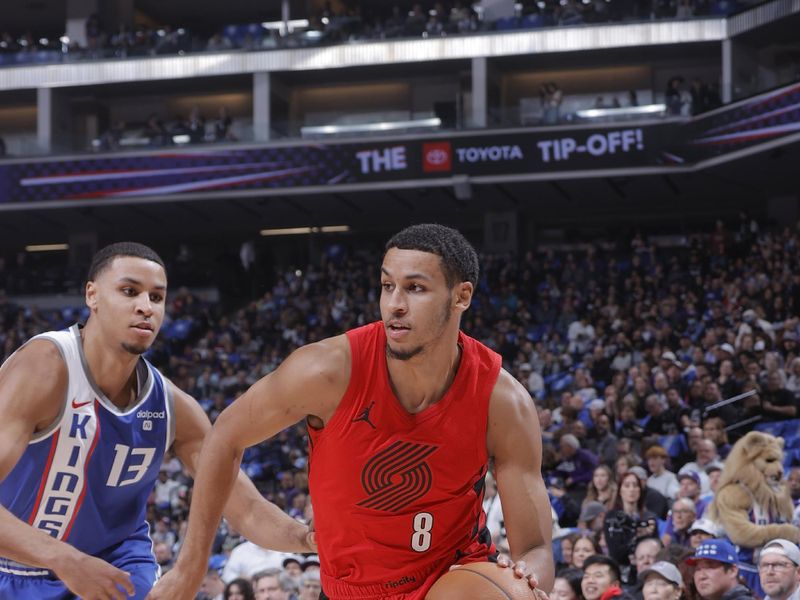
(421,538)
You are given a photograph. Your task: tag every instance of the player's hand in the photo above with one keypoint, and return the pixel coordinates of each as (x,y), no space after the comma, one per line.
(90,578)
(522,571)
(175,585)
(309,540)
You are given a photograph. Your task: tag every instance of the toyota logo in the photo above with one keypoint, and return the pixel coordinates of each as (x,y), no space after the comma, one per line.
(436,156)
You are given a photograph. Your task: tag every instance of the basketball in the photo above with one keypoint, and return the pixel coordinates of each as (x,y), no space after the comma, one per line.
(480,581)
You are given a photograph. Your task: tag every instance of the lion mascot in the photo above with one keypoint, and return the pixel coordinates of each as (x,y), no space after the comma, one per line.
(752,502)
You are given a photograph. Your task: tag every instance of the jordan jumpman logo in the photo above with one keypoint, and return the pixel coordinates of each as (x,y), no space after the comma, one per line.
(364,416)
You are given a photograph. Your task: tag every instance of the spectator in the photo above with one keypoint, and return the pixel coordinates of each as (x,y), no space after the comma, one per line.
(247,559)
(311,563)
(601,579)
(654,501)
(155,131)
(292,566)
(584,547)
(629,520)
(566,544)
(661,581)
(690,489)
(673,96)
(239,589)
(592,517)
(681,518)
(218,43)
(165,490)
(222,126)
(213,588)
(777,403)
(644,556)
(706,455)
(793,482)
(714,430)
(492,508)
(661,480)
(164,557)
(716,572)
(271,584)
(601,442)
(162,534)
(581,336)
(602,488)
(196,126)
(567,585)
(577,464)
(310,586)
(779,570)
(700,531)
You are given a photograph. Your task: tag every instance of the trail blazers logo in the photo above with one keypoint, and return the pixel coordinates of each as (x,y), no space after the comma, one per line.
(397,476)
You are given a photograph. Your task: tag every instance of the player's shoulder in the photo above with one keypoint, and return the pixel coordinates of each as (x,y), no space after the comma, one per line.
(33,381)
(326,360)
(509,394)
(513,422)
(38,357)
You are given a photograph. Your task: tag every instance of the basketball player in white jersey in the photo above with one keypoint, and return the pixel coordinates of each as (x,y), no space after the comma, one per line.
(84,423)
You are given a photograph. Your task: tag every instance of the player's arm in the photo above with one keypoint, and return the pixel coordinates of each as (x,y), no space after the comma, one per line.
(514,439)
(247,510)
(32,389)
(310,382)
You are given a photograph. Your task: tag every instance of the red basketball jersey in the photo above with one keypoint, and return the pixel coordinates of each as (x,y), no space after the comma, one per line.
(397,496)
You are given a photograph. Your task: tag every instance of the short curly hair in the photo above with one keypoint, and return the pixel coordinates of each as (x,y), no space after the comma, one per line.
(459,259)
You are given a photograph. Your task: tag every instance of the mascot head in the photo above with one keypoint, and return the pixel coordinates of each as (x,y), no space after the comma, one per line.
(756,462)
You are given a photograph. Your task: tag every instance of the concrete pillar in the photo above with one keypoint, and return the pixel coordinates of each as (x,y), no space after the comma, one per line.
(44,119)
(479,98)
(261,107)
(727,71)
(285,11)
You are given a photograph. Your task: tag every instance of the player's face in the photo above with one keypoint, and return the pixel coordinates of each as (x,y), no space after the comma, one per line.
(417,306)
(128,298)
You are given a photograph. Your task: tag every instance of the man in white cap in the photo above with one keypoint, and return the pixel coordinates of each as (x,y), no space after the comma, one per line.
(779,570)
(700,531)
(661,581)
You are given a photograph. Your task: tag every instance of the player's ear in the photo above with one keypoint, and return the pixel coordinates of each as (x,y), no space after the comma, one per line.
(463,292)
(91,295)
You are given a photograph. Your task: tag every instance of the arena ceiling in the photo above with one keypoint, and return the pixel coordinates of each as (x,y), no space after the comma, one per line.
(599,202)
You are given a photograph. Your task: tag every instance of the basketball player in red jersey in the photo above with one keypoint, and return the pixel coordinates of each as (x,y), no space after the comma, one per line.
(403,417)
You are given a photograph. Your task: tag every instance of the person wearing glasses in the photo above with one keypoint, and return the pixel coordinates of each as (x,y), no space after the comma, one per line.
(779,570)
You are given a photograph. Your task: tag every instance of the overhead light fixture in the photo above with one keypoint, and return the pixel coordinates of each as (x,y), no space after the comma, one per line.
(428,123)
(305,230)
(647,109)
(46,247)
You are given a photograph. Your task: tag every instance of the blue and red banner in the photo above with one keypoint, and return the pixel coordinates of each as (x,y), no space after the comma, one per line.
(546,153)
